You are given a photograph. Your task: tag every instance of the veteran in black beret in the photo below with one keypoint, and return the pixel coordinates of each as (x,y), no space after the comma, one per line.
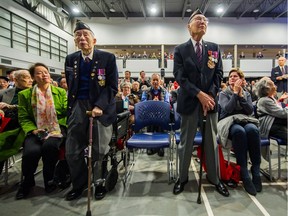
(198,71)
(92,79)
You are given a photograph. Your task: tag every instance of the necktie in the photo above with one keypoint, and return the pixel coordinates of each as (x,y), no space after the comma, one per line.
(282,70)
(199,53)
(87,60)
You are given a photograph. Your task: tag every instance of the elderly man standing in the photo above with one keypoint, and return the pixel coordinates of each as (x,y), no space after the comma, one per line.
(92,79)
(198,71)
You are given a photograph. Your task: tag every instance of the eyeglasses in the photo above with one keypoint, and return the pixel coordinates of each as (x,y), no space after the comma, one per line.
(200,19)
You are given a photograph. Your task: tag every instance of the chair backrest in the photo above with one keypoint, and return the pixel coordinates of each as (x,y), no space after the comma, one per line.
(177,118)
(156,113)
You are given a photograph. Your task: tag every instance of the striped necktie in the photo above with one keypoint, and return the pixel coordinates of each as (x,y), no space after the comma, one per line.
(87,59)
(199,53)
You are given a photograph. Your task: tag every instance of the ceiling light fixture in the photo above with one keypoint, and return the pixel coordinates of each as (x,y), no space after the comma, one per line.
(220,9)
(76,10)
(153,10)
(112,9)
(256,10)
(188,8)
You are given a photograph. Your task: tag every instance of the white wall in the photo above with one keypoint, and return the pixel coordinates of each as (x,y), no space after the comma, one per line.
(23,59)
(170,31)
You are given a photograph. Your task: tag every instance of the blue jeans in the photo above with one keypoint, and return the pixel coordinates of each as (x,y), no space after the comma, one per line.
(246,138)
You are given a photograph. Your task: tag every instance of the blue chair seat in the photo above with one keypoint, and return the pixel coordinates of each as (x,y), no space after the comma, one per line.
(149,140)
(197,139)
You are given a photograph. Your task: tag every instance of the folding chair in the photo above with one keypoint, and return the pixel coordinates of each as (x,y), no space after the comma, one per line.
(152,113)
(279,143)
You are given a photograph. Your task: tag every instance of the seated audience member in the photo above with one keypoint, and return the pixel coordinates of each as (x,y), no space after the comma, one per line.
(42,116)
(136,89)
(259,55)
(4,82)
(11,77)
(9,101)
(157,93)
(127,77)
(278,55)
(229,56)
(143,80)
(242,55)
(63,83)
(132,99)
(236,103)
(272,116)
(144,55)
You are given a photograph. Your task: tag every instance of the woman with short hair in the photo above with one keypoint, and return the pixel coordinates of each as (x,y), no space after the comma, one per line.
(272,116)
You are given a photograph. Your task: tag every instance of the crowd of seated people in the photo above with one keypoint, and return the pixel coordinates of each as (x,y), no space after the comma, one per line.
(143,55)
(235,97)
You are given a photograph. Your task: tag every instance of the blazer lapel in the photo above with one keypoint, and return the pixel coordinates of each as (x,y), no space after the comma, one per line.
(204,53)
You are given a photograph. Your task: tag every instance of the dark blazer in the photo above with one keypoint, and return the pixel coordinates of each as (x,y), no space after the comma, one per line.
(7,95)
(193,77)
(281,84)
(100,94)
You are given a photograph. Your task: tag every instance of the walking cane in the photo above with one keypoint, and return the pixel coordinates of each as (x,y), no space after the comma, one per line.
(201,160)
(89,113)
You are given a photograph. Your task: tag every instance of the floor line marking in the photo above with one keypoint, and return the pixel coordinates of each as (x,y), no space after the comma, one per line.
(203,194)
(258,204)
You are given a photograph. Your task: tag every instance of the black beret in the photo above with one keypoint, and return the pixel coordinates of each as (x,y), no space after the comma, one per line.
(4,77)
(198,11)
(80,25)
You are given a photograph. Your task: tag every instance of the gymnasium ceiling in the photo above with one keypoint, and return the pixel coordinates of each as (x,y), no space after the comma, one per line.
(170,8)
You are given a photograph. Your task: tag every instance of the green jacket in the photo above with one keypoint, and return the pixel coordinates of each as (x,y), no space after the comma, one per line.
(25,112)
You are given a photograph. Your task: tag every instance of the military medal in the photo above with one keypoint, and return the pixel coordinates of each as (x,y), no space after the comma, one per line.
(101,76)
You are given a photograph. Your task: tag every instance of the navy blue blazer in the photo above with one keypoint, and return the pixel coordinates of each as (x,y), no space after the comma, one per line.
(193,77)
(281,84)
(103,83)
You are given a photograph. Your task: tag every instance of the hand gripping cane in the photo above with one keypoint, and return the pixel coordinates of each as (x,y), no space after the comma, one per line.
(201,160)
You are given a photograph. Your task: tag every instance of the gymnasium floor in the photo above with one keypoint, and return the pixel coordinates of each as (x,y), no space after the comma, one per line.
(148,193)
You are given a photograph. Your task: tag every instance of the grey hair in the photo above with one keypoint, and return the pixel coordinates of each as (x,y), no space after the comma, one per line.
(263,87)
(125,84)
(19,73)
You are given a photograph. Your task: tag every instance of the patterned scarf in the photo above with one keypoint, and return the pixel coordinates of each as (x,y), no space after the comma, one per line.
(44,111)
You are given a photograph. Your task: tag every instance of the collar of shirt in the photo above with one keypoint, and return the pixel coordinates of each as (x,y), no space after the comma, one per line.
(194,43)
(90,56)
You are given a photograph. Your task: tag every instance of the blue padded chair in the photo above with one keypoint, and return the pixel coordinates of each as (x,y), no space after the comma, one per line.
(152,113)
(279,143)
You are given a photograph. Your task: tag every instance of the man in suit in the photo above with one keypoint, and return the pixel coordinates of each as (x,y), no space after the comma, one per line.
(279,76)
(92,79)
(198,71)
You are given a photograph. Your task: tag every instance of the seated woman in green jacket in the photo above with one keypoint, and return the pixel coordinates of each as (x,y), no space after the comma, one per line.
(42,116)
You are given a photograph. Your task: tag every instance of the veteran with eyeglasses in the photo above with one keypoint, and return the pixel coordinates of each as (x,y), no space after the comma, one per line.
(92,79)
(198,71)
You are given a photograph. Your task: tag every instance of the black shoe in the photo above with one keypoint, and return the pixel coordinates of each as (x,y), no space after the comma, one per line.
(150,151)
(50,187)
(257,183)
(22,192)
(179,186)
(249,186)
(100,192)
(230,183)
(220,187)
(63,184)
(74,194)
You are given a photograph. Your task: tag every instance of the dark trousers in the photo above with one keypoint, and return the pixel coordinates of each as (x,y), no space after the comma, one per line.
(77,141)
(33,150)
(246,138)
(279,129)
